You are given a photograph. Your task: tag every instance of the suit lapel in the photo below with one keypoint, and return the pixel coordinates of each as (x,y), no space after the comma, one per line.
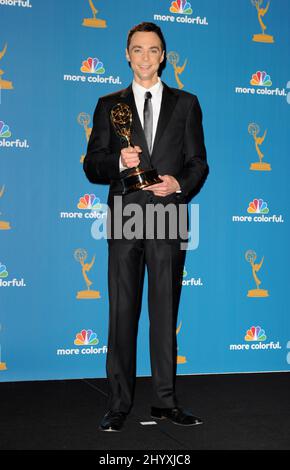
(168,103)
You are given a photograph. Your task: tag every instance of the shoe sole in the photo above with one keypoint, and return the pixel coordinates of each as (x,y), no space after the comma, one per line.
(173,422)
(109,430)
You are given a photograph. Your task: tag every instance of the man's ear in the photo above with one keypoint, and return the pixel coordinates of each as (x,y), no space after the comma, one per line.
(127,55)
(162,57)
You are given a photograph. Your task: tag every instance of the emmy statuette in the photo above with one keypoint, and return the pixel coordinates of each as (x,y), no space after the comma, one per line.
(121,118)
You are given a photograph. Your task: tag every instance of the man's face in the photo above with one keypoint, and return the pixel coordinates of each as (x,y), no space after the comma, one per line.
(145,55)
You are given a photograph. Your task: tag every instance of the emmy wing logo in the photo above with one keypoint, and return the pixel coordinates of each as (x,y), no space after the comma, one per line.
(255,333)
(173,59)
(84,120)
(180,359)
(261,79)
(4,84)
(92,65)
(2,364)
(94,22)
(3,225)
(254,131)
(86,337)
(181,6)
(80,256)
(258,292)
(261,12)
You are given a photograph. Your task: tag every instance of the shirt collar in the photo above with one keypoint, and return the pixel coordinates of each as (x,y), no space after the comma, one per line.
(140,91)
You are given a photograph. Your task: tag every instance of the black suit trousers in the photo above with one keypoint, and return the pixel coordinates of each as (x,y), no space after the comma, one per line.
(127,262)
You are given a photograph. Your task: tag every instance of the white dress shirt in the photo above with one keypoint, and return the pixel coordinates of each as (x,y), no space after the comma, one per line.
(139,96)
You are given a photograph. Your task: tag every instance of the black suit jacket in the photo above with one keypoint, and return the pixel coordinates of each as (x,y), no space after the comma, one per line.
(178,149)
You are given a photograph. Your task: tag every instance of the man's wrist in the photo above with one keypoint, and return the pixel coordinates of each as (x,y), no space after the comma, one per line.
(178,188)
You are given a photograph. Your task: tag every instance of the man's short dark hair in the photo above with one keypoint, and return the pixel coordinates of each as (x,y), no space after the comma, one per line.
(148,28)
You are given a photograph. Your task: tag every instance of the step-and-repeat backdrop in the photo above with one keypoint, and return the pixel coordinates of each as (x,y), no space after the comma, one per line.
(57,58)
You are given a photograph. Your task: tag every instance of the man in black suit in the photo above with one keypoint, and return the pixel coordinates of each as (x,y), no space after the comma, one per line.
(167,134)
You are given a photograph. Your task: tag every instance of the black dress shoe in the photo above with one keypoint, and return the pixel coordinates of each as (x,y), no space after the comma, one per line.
(176,416)
(113,421)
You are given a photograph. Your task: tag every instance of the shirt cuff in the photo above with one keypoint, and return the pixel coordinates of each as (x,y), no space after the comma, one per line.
(121,167)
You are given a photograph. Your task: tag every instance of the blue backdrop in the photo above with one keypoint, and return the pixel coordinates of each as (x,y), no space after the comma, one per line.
(234,312)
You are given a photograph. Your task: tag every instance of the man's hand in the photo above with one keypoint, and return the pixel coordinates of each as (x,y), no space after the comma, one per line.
(130,156)
(168,186)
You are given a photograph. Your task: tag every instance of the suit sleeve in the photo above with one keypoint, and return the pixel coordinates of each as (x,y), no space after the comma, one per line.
(195,168)
(100,163)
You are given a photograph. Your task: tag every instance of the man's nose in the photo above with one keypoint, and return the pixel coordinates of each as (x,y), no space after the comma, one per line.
(145,55)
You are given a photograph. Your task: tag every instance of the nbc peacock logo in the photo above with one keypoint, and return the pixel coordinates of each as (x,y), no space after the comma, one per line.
(92,65)
(261,82)
(93,72)
(261,79)
(181,6)
(90,207)
(3,271)
(181,12)
(255,333)
(5,282)
(85,337)
(258,211)
(5,133)
(86,341)
(89,202)
(4,130)
(258,206)
(190,281)
(255,338)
